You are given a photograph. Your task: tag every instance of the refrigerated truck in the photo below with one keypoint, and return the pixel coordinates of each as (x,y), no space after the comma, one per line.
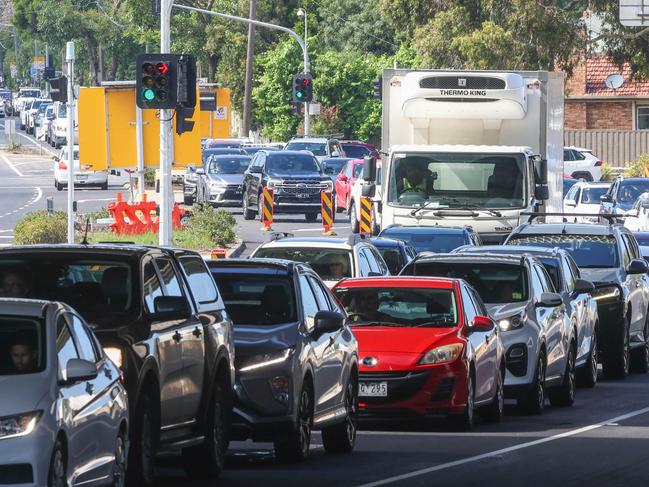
(489,145)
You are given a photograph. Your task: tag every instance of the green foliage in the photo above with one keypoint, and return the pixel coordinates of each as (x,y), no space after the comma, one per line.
(95,215)
(638,168)
(40,228)
(607,173)
(207,228)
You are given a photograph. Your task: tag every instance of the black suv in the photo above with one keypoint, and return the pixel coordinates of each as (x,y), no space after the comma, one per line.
(296,358)
(295,177)
(158,314)
(608,255)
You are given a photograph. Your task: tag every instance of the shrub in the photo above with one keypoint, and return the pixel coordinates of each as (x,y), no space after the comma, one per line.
(638,167)
(607,173)
(39,227)
(214,227)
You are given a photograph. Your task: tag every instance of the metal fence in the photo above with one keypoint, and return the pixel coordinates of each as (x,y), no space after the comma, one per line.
(618,148)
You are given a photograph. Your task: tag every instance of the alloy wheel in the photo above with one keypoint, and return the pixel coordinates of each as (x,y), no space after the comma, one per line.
(351,404)
(119,469)
(304,424)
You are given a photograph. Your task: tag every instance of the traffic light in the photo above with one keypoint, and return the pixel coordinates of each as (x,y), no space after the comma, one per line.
(157,81)
(59,89)
(182,124)
(303,88)
(187,80)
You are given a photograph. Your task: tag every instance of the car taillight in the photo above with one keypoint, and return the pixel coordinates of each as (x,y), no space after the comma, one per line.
(598,163)
(63,166)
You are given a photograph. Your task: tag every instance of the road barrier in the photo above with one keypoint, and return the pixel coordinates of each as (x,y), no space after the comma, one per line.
(139,218)
(267,210)
(218,253)
(326,204)
(365,221)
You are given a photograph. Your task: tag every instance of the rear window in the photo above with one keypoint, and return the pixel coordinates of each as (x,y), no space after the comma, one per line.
(329,264)
(257,300)
(22,345)
(431,242)
(496,283)
(316,148)
(393,259)
(356,151)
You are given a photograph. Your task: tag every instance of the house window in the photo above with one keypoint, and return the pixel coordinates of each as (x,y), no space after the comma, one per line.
(642,118)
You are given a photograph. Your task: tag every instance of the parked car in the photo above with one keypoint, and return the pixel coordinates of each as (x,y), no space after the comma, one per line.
(296,178)
(540,350)
(426,346)
(580,163)
(82,177)
(433,239)
(220,181)
(607,255)
(345,181)
(331,258)
(358,149)
(621,196)
(64,413)
(159,316)
(296,358)
(395,253)
(585,198)
(576,293)
(355,203)
(322,147)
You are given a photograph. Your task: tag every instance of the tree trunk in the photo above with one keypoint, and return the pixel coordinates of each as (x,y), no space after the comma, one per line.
(114,64)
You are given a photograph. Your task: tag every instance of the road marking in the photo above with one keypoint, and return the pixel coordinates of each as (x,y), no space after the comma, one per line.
(6,236)
(502,451)
(100,199)
(11,166)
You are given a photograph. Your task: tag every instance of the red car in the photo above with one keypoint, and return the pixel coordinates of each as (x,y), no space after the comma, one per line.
(344,183)
(426,347)
(358,149)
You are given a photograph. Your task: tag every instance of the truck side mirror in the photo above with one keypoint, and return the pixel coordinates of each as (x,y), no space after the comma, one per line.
(540,171)
(368,190)
(541,192)
(369,169)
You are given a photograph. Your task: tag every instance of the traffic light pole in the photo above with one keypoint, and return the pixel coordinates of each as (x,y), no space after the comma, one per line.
(69,57)
(166,139)
(307,128)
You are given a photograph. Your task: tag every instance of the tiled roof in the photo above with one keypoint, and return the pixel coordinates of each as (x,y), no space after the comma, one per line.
(598,68)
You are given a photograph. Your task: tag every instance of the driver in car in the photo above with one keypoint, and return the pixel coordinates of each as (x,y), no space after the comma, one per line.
(417,179)
(365,308)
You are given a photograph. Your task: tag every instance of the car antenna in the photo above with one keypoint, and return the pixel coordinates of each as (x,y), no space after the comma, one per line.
(85,233)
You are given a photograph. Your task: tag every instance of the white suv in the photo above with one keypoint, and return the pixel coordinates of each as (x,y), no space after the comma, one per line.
(584,197)
(580,163)
(331,258)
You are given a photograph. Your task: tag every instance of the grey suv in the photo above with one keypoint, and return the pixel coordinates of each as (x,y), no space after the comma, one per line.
(608,255)
(540,348)
(296,358)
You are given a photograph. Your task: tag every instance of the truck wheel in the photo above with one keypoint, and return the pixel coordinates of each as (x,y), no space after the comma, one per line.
(248,214)
(144,443)
(311,217)
(464,421)
(341,437)
(640,356)
(616,357)
(293,446)
(534,401)
(494,412)
(206,461)
(564,395)
(587,375)
(353,221)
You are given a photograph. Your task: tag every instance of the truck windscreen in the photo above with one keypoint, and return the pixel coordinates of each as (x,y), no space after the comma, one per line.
(458,180)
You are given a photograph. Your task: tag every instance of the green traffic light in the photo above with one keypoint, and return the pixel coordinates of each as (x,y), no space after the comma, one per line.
(148,94)
(298,95)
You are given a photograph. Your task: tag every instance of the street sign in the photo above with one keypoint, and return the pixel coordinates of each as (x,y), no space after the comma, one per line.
(221,113)
(634,13)
(39,63)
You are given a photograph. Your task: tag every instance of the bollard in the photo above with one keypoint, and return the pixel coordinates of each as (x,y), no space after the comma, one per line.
(365,221)
(267,210)
(326,204)
(50,205)
(218,253)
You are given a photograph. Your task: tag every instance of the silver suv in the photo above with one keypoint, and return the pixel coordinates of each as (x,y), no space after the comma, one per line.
(540,351)
(321,146)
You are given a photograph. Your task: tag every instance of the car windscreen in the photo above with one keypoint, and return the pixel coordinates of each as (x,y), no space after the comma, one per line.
(631,189)
(591,196)
(257,300)
(316,148)
(222,165)
(278,163)
(592,251)
(495,282)
(329,264)
(431,242)
(37,103)
(93,286)
(399,306)
(22,345)
(334,165)
(30,93)
(356,151)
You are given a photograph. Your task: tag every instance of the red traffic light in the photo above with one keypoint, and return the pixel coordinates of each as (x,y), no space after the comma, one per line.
(306,81)
(162,68)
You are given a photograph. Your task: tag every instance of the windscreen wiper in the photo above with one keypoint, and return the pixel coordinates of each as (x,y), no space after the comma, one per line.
(422,207)
(473,206)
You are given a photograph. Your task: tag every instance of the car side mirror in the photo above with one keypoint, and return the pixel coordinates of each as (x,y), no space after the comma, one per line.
(342,177)
(79,370)
(254,170)
(327,322)
(582,286)
(637,266)
(540,171)
(606,198)
(200,171)
(644,205)
(549,300)
(170,305)
(368,190)
(570,203)
(482,323)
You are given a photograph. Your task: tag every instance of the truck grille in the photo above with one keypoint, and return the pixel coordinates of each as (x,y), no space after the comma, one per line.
(462,82)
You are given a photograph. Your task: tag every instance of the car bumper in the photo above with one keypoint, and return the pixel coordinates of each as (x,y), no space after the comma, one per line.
(611,321)
(189,189)
(25,461)
(85,180)
(520,348)
(228,198)
(440,389)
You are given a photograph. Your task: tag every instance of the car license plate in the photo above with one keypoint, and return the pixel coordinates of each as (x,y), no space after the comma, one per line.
(82,176)
(302,196)
(373,389)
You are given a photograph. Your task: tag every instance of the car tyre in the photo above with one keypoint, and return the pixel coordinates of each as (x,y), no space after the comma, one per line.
(248,214)
(57,476)
(564,395)
(640,356)
(353,220)
(616,357)
(464,420)
(104,186)
(494,412)
(120,464)
(206,461)
(534,401)
(142,454)
(293,446)
(59,186)
(341,437)
(587,375)
(311,217)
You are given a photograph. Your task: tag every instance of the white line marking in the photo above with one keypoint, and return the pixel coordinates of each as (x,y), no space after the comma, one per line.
(39,195)
(6,236)
(101,199)
(11,166)
(502,451)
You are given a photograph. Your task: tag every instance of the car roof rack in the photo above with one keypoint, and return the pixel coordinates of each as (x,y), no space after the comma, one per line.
(533,216)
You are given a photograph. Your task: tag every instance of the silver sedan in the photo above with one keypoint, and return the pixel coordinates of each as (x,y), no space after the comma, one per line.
(63,413)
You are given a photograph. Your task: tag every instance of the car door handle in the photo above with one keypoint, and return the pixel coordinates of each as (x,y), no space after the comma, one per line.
(197,332)
(177,337)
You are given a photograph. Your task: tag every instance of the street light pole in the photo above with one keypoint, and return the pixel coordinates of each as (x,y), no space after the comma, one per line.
(166,138)
(70,57)
(307,117)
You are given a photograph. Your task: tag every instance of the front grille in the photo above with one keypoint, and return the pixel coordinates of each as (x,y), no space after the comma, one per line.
(234,187)
(462,82)
(16,474)
(401,385)
(304,186)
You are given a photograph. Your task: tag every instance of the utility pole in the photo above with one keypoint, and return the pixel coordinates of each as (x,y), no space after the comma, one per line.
(250,56)
(47,65)
(69,57)
(166,138)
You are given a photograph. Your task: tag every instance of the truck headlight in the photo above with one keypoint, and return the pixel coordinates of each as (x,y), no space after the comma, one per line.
(511,323)
(446,353)
(18,425)
(606,293)
(266,359)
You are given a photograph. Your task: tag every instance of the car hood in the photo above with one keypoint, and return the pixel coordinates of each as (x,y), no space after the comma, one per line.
(227,178)
(372,339)
(599,274)
(253,340)
(26,392)
(498,311)
(297,175)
